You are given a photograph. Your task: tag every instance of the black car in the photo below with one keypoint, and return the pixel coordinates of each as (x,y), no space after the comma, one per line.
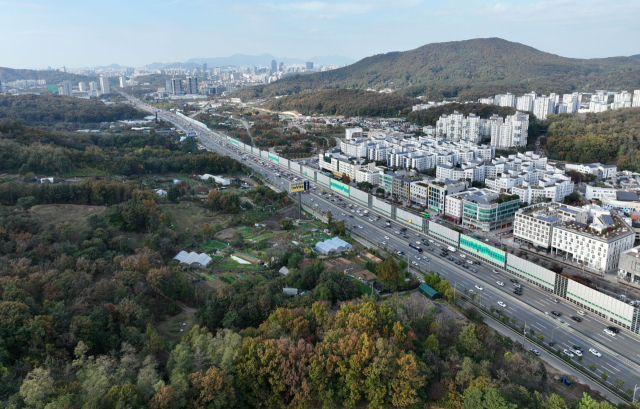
(351,216)
(450,258)
(443,255)
(477,262)
(513,280)
(577,348)
(576,319)
(406,237)
(556,313)
(517,292)
(614,330)
(465,266)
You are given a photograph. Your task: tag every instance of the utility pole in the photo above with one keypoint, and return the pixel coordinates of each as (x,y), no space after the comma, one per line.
(300,205)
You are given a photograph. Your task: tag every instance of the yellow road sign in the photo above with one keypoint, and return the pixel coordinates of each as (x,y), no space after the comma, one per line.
(297,187)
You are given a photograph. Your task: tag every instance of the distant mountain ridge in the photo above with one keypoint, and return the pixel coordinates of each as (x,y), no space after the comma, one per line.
(239,60)
(466,69)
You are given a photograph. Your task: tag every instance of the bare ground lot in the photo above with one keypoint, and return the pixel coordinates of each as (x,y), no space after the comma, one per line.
(76,215)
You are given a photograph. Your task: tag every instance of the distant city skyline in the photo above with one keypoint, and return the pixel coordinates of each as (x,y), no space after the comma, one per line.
(175,31)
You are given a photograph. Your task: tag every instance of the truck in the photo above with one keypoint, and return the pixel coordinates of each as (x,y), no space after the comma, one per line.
(451,249)
(277,175)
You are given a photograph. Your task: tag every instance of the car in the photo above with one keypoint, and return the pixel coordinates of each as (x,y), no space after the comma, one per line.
(384,243)
(471,292)
(418,242)
(577,347)
(609,332)
(462,256)
(465,266)
(431,241)
(360,227)
(580,312)
(595,352)
(401,253)
(496,271)
(577,352)
(568,353)
(405,236)
(340,213)
(513,280)
(554,299)
(450,258)
(500,283)
(351,216)
(426,258)
(516,292)
(614,329)
(414,263)
(473,270)
(479,287)
(469,262)
(417,235)
(503,305)
(534,351)
(556,313)
(396,232)
(517,285)
(417,258)
(386,237)
(576,319)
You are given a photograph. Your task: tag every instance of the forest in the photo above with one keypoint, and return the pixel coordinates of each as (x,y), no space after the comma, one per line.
(29,150)
(611,137)
(52,77)
(347,102)
(46,110)
(465,70)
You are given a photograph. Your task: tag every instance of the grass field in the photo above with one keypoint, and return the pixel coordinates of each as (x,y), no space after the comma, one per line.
(364,289)
(213,245)
(76,215)
(170,329)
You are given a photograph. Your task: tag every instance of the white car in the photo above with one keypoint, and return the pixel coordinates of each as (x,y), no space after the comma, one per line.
(469,262)
(396,232)
(463,256)
(431,241)
(579,353)
(496,271)
(417,242)
(360,227)
(340,213)
(479,287)
(500,283)
(386,237)
(580,312)
(414,263)
(594,352)
(609,332)
(503,305)
(384,243)
(418,258)
(471,292)
(567,352)
(417,235)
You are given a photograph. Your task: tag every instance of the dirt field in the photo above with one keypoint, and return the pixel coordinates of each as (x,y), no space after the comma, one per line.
(50,215)
(225,235)
(188,217)
(365,275)
(341,264)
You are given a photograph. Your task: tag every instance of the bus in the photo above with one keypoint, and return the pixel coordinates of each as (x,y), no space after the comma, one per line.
(425,215)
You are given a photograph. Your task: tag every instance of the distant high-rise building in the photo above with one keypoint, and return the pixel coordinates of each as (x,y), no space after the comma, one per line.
(281,68)
(168,87)
(192,85)
(93,86)
(255,70)
(543,106)
(176,86)
(309,65)
(122,85)
(66,89)
(274,66)
(63,69)
(204,67)
(82,86)
(104,85)
(636,99)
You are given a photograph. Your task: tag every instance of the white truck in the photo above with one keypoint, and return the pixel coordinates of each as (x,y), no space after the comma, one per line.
(451,249)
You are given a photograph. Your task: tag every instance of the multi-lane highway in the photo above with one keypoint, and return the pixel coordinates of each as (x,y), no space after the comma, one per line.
(620,355)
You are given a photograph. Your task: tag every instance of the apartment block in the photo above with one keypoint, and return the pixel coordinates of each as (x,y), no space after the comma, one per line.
(534,224)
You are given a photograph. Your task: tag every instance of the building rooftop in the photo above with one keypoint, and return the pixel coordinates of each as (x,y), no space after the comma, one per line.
(627,196)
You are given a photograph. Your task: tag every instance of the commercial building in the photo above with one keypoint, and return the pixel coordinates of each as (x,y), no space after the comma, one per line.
(626,202)
(454,206)
(104,85)
(629,267)
(309,65)
(597,245)
(438,191)
(534,224)
(192,85)
(419,192)
(489,210)
(274,66)
(598,193)
(176,86)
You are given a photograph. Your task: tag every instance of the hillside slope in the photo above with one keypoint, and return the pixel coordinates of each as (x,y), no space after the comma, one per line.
(348,102)
(52,77)
(466,69)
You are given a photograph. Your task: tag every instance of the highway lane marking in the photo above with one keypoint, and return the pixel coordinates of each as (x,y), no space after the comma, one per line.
(620,365)
(612,368)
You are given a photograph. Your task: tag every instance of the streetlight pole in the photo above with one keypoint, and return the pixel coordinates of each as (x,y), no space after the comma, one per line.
(635,388)
(524,334)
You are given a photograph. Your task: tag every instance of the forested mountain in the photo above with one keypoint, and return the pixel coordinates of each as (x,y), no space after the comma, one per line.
(611,137)
(348,102)
(49,109)
(466,69)
(52,77)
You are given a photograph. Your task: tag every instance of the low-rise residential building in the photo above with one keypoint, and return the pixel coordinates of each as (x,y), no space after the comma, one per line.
(534,224)
(598,193)
(597,245)
(489,210)
(597,169)
(546,189)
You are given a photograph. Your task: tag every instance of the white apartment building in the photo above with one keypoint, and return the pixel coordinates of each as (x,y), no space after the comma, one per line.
(621,100)
(354,147)
(553,189)
(352,133)
(367,175)
(534,224)
(597,245)
(512,132)
(472,171)
(525,102)
(543,106)
(93,86)
(457,127)
(339,164)
(66,89)
(82,86)
(596,169)
(505,100)
(599,193)
(636,99)
(104,85)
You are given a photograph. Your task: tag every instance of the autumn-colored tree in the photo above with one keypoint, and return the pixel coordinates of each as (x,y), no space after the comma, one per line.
(389,274)
(211,389)
(165,398)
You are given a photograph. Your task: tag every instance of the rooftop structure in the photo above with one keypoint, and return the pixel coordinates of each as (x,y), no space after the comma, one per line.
(335,244)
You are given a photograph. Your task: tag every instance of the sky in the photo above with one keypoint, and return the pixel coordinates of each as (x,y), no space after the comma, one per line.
(37,34)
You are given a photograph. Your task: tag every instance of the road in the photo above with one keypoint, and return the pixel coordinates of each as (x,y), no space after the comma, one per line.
(620,355)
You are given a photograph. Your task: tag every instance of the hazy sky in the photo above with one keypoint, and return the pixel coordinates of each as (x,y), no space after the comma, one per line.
(36,34)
